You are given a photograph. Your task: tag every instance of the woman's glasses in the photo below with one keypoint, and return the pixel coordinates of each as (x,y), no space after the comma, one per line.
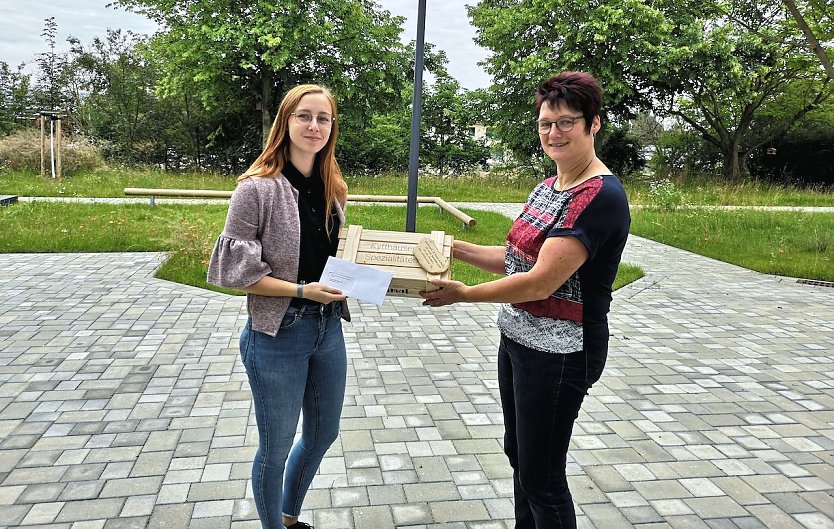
(305,118)
(563,124)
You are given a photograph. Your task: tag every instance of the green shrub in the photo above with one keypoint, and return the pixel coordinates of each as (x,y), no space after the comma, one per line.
(802,157)
(21,152)
(665,195)
(621,152)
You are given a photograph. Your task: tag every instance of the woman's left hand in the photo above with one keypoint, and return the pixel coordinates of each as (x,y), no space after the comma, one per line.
(448,293)
(322,293)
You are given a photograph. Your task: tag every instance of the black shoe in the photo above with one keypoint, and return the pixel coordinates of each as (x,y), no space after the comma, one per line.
(300,525)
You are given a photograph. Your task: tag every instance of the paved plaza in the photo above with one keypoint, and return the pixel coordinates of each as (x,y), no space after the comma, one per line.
(123,403)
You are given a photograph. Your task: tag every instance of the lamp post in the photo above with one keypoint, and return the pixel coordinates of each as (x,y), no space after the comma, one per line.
(416,111)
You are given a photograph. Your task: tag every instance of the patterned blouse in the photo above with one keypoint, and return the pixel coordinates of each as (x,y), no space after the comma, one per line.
(575,315)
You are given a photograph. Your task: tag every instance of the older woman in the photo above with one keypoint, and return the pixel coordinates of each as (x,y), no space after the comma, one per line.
(560,260)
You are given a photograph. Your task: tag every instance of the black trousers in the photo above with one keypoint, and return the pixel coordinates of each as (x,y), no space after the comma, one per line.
(541,394)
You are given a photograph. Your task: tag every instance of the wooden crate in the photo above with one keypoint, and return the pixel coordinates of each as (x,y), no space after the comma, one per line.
(393,252)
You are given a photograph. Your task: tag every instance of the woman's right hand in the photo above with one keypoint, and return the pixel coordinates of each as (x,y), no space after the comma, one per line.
(322,293)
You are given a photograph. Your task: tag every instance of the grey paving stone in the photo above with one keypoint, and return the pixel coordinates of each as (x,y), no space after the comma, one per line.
(75,511)
(151,464)
(131,486)
(14,514)
(459,511)
(373,517)
(350,497)
(198,492)
(137,522)
(40,493)
(411,514)
(213,522)
(82,490)
(42,513)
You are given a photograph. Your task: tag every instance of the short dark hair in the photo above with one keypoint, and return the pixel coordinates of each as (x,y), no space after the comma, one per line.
(578,90)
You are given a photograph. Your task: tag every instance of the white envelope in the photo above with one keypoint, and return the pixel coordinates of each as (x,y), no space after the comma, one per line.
(356,281)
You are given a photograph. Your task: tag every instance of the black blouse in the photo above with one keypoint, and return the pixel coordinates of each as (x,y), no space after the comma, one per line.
(316,244)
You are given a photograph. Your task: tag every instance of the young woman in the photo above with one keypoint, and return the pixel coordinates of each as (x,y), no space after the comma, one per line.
(560,259)
(282,225)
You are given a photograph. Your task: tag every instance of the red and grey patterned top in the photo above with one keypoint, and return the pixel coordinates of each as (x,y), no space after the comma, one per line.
(575,315)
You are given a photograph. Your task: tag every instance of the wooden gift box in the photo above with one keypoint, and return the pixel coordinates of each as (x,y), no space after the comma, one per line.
(393,251)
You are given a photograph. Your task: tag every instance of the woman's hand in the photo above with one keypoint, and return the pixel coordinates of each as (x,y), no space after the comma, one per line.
(448,293)
(322,293)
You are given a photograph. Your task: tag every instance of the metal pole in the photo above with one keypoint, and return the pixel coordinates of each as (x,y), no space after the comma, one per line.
(58,149)
(52,145)
(416,111)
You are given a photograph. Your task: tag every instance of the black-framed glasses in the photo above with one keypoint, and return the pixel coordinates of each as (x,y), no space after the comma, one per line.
(563,124)
(305,118)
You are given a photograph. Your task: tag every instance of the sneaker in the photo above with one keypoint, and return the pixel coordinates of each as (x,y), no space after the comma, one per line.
(300,525)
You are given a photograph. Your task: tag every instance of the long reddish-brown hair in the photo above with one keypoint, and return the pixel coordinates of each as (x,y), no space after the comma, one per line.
(276,153)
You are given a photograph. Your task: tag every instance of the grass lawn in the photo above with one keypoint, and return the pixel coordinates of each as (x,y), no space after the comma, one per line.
(111,183)
(714,193)
(107,183)
(465,188)
(783,243)
(188,232)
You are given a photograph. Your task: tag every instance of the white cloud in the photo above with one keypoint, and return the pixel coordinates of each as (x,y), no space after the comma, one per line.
(447,26)
(21,25)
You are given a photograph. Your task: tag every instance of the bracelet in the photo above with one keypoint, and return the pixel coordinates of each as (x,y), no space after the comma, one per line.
(299,290)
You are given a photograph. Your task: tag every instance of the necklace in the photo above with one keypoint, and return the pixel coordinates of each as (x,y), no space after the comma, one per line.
(564,186)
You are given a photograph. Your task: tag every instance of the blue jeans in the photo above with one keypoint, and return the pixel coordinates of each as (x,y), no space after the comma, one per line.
(303,368)
(540,395)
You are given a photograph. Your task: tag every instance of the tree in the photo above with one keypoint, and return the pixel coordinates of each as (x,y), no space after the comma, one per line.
(717,65)
(249,53)
(49,94)
(447,143)
(115,97)
(622,151)
(382,145)
(618,41)
(14,97)
(118,106)
(749,82)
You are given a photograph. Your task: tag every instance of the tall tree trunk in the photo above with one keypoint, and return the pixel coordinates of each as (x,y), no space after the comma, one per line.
(193,133)
(198,156)
(742,163)
(267,82)
(810,38)
(164,156)
(731,169)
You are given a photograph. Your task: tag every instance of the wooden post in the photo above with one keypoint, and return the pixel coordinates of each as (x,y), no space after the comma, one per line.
(58,149)
(43,154)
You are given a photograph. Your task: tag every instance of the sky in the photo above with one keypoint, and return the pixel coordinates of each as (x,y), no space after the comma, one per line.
(22,21)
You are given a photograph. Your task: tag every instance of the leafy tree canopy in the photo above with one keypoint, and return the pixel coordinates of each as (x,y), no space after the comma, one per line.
(252,52)
(14,97)
(715,64)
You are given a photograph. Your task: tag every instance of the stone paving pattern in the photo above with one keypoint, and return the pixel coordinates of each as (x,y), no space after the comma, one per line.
(123,404)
